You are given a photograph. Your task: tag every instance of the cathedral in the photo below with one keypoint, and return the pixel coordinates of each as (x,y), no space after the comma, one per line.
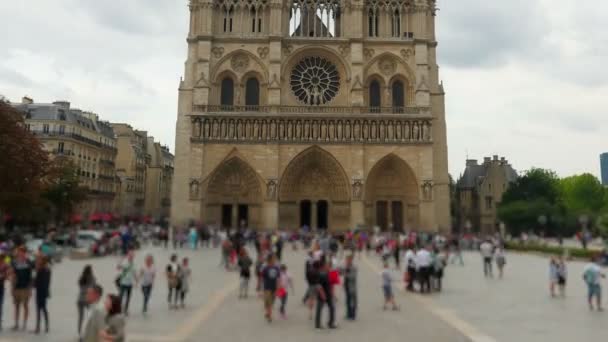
(320,113)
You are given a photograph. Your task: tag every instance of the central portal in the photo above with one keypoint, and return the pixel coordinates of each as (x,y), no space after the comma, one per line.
(314,212)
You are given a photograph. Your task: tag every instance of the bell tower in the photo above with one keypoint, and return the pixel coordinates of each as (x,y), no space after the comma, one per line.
(319,113)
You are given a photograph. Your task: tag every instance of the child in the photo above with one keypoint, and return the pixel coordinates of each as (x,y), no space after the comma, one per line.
(387,287)
(562,276)
(245,267)
(285,281)
(184,281)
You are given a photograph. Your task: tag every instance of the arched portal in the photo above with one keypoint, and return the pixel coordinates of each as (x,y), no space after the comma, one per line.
(391,195)
(234,195)
(314,190)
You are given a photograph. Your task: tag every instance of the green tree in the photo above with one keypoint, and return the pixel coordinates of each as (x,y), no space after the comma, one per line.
(532,202)
(582,194)
(64,191)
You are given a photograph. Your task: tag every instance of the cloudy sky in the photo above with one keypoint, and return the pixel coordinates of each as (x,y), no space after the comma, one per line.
(524,78)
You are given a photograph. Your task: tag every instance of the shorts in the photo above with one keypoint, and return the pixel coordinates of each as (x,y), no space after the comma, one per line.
(594,290)
(388,292)
(268,298)
(561,280)
(21,295)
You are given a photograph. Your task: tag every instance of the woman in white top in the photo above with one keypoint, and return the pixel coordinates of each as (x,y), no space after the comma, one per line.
(147,274)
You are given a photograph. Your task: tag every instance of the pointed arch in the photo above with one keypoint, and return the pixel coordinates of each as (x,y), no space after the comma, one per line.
(392,195)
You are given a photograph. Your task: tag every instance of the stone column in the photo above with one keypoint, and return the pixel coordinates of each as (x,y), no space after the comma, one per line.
(313,215)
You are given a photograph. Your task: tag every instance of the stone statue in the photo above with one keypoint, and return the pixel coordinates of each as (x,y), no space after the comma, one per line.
(415,132)
(357,189)
(406,130)
(256,130)
(427,132)
(194,188)
(216,129)
(271,191)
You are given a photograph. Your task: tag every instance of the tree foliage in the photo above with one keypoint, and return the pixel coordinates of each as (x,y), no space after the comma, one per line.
(64,190)
(24,167)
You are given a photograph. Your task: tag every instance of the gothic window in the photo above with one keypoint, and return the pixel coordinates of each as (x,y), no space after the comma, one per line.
(396,23)
(315,18)
(372,22)
(375,101)
(256,20)
(315,81)
(228,17)
(398,92)
(227,93)
(252,93)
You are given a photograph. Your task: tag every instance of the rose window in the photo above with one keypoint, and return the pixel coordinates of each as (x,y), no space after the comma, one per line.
(315,81)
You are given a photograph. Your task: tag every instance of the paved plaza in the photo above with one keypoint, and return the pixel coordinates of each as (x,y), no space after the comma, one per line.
(471,308)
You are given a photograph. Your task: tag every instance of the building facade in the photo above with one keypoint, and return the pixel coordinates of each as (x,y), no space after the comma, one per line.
(132,161)
(479,192)
(604,168)
(159,177)
(327,114)
(87,141)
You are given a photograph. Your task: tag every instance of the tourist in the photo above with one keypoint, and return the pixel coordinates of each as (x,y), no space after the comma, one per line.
(456,252)
(501,260)
(5,271)
(86,280)
(410,262)
(562,276)
(226,250)
(387,287)
(439,263)
(147,274)
(126,278)
(553,275)
(114,330)
(245,273)
(184,275)
(424,263)
(95,321)
(22,276)
(592,275)
(259,267)
(349,271)
(325,296)
(285,283)
(42,284)
(172,281)
(270,279)
(487,252)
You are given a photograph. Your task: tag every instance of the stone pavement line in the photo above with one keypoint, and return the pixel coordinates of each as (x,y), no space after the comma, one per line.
(446,315)
(198,317)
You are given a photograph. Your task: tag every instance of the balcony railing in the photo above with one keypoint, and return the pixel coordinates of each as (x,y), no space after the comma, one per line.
(63,152)
(105,177)
(287,110)
(106,162)
(74,136)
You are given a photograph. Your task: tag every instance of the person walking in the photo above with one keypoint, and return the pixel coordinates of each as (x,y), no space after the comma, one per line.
(270,281)
(285,283)
(95,321)
(5,271)
(22,280)
(553,275)
(410,262)
(126,278)
(424,263)
(325,296)
(172,272)
(387,287)
(438,267)
(487,252)
(592,274)
(147,274)
(42,283)
(562,276)
(501,260)
(114,330)
(86,280)
(184,275)
(349,271)
(245,273)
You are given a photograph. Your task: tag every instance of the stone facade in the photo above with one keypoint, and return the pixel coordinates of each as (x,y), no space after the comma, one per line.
(479,192)
(334,120)
(87,141)
(159,177)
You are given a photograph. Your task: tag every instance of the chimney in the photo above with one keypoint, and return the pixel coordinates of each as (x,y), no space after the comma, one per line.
(27,100)
(503,160)
(487,160)
(495,157)
(471,162)
(62,104)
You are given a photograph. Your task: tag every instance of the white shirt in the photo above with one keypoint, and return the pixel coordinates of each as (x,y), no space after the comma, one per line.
(596,270)
(423,258)
(87,313)
(147,275)
(410,257)
(486,249)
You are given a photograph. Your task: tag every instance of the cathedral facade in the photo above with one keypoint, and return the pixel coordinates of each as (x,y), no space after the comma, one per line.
(319,113)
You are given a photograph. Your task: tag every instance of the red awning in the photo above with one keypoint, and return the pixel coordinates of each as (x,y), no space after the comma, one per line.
(76,218)
(95,217)
(106,217)
(147,219)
